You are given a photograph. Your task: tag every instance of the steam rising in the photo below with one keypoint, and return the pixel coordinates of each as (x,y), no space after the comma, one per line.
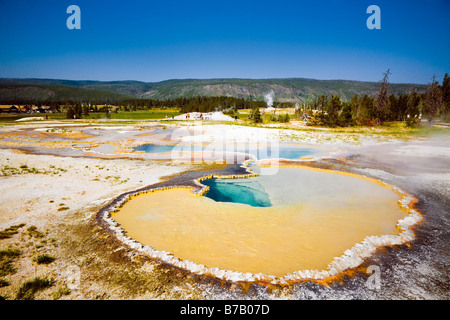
(269,98)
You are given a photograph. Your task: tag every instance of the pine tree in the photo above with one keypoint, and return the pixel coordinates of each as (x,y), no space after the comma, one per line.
(402,106)
(393,108)
(333,108)
(77,111)
(433,100)
(413,104)
(366,110)
(345,117)
(256,115)
(446,93)
(70,113)
(322,102)
(354,106)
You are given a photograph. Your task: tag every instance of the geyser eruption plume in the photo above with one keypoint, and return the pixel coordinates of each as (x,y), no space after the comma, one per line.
(269,98)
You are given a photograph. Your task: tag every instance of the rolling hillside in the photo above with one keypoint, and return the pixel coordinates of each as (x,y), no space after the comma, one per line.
(32,93)
(285,90)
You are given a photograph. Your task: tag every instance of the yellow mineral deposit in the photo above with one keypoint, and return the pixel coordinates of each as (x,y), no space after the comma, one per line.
(273,240)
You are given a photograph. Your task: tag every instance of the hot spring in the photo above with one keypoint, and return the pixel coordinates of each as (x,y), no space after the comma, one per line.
(230,150)
(154,148)
(295,219)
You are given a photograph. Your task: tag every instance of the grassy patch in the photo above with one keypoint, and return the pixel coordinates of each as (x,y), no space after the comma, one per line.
(62,290)
(24,169)
(10,231)
(63,207)
(6,261)
(29,288)
(11,117)
(34,232)
(136,115)
(150,114)
(4,283)
(44,259)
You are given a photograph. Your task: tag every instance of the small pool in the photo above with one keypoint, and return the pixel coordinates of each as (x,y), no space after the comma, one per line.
(154,148)
(259,151)
(291,152)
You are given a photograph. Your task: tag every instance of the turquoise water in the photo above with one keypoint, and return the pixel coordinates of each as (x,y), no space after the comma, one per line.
(284,152)
(293,186)
(154,148)
(246,191)
(259,151)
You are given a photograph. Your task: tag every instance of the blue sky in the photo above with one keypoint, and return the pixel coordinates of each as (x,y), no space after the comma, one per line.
(160,40)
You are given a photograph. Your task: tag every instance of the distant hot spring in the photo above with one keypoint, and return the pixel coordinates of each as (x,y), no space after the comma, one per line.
(216,151)
(299,223)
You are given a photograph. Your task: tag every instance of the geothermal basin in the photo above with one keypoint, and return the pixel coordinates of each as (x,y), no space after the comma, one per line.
(274,224)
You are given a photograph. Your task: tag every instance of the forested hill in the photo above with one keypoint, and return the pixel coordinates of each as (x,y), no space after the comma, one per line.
(284,90)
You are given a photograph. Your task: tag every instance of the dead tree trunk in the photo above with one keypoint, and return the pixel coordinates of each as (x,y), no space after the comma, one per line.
(382,98)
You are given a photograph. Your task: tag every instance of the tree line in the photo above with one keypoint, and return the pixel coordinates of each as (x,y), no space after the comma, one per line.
(78,110)
(384,107)
(201,104)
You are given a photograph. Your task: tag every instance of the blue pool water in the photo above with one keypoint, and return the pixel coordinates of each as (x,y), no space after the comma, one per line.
(154,148)
(284,152)
(246,191)
(260,152)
